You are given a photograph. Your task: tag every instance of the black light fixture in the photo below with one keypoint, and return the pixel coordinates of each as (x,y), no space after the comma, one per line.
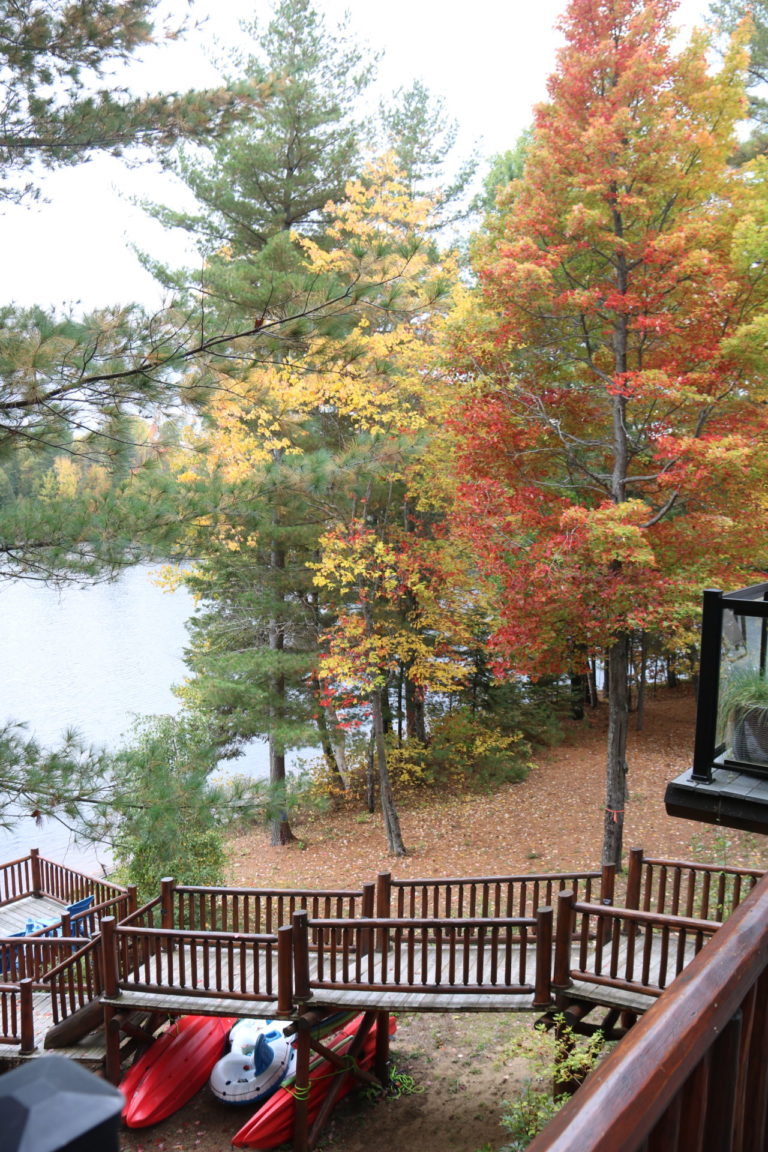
(728,783)
(52,1104)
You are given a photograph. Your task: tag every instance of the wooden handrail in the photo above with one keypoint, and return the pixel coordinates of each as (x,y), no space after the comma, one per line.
(657,1080)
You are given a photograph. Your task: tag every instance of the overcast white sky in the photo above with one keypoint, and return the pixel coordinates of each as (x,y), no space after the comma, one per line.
(490,59)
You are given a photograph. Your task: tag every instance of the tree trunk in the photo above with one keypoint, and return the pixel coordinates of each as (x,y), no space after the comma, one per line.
(370,775)
(616,774)
(642,682)
(280,828)
(388,810)
(415,719)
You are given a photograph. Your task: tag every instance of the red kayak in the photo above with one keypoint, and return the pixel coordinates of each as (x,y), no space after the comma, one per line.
(173,1069)
(273,1123)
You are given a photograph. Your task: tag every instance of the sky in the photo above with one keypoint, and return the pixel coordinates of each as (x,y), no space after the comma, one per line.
(489,59)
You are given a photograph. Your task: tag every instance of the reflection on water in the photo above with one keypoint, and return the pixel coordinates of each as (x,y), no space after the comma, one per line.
(90,658)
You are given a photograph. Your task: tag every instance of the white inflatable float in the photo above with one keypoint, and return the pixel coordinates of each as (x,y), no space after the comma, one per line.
(258,1061)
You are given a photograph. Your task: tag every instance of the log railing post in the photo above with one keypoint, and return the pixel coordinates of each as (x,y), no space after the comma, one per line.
(383,895)
(285,969)
(367,912)
(561,977)
(109,964)
(133,901)
(301,989)
(542,993)
(34,862)
(167,886)
(607,883)
(383,906)
(634,879)
(27,1017)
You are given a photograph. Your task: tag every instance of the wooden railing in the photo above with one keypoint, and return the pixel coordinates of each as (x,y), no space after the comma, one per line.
(76,981)
(257,910)
(33,957)
(510,955)
(622,948)
(246,966)
(86,924)
(685,888)
(691,1075)
(487,896)
(33,875)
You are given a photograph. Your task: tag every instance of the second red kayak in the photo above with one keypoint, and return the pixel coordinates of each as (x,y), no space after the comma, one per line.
(272,1124)
(173,1069)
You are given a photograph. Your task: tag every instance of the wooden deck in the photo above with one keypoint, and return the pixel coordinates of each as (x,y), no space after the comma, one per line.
(482,944)
(15,916)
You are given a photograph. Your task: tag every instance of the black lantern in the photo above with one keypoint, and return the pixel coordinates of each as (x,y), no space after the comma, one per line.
(52,1104)
(728,783)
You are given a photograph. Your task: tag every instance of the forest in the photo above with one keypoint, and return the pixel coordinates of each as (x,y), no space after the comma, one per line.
(442,454)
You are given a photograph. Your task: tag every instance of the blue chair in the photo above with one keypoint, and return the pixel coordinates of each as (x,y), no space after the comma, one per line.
(8,953)
(75,912)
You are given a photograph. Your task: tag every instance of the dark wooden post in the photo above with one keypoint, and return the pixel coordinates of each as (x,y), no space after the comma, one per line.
(634,879)
(66,927)
(301,1095)
(109,966)
(167,886)
(133,901)
(27,1018)
(285,969)
(542,993)
(367,911)
(34,862)
(561,977)
(756,1087)
(383,905)
(301,987)
(381,1059)
(112,1041)
(607,883)
(721,1109)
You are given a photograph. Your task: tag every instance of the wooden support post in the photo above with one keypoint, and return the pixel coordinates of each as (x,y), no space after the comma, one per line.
(756,1115)
(133,901)
(333,1092)
(112,1044)
(607,883)
(561,977)
(301,988)
(285,969)
(721,1106)
(542,993)
(383,906)
(366,942)
(109,964)
(381,1059)
(27,1018)
(167,886)
(634,879)
(34,864)
(66,927)
(301,1095)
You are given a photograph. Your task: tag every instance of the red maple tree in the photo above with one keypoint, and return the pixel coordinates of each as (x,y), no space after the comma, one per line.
(616,438)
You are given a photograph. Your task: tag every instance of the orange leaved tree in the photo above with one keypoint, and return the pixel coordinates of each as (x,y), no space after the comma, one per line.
(616,439)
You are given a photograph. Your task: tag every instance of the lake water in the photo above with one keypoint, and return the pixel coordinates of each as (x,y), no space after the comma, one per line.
(90,658)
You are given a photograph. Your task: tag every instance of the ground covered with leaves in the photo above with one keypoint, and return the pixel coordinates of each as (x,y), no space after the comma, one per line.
(457,1071)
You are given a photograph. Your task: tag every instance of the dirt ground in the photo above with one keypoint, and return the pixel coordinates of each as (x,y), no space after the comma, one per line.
(464,1067)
